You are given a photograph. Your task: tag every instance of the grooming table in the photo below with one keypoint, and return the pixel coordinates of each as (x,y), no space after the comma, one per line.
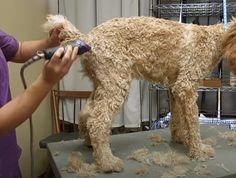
(124,144)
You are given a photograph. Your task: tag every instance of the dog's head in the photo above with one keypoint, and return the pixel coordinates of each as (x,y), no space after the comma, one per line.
(229,45)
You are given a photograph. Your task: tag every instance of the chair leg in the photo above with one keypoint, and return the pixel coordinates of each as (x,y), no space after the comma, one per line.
(49,173)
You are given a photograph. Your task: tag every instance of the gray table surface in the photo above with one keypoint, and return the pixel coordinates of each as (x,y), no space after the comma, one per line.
(124,144)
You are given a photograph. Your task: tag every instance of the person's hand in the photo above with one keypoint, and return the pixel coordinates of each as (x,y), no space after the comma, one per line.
(53,37)
(57,67)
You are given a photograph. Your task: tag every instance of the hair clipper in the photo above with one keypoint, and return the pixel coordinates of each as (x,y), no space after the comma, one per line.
(83,47)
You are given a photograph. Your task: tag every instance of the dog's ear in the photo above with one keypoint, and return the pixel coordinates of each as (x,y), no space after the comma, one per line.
(229,45)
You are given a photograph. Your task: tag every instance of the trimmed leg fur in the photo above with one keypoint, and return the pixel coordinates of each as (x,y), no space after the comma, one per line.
(101,110)
(185,92)
(84,114)
(176,123)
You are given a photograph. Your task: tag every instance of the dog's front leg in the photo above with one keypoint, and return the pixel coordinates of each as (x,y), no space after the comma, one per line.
(186,93)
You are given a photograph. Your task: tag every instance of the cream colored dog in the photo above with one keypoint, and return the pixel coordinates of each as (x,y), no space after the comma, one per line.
(160,51)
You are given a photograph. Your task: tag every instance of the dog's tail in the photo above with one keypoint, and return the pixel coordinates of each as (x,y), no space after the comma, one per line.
(229,45)
(68,30)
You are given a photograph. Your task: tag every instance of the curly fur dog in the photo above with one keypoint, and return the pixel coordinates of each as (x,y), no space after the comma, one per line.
(160,51)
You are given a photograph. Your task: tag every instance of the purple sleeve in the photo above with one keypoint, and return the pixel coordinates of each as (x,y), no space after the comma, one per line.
(9,45)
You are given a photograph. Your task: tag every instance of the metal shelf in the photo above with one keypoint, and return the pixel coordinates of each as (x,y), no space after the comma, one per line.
(191,1)
(194,9)
(211,89)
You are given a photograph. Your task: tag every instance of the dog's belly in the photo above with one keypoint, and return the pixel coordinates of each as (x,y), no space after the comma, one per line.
(158,73)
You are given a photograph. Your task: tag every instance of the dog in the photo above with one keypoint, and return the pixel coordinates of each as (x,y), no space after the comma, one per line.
(161,51)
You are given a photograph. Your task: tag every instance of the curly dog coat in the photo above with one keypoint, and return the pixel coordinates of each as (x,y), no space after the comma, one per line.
(160,51)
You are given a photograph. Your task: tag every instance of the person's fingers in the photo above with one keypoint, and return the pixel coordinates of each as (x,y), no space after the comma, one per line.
(73,57)
(75,53)
(67,55)
(57,55)
(54,36)
(56,30)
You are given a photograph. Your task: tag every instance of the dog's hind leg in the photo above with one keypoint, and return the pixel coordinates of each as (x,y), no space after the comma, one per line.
(185,92)
(83,116)
(107,101)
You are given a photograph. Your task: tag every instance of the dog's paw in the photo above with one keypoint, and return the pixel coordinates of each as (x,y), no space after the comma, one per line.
(110,164)
(203,153)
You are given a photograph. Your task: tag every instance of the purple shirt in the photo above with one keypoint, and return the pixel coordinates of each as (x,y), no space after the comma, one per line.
(9,150)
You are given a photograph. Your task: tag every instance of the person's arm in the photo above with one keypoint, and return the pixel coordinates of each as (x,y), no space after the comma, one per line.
(19,109)
(27,49)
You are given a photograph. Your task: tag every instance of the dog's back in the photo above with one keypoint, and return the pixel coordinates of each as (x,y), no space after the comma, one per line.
(153,48)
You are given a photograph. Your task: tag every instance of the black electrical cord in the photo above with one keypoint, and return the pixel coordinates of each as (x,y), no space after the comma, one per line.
(46,54)
(26,64)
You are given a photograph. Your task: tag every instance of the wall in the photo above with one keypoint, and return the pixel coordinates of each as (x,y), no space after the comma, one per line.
(23,19)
